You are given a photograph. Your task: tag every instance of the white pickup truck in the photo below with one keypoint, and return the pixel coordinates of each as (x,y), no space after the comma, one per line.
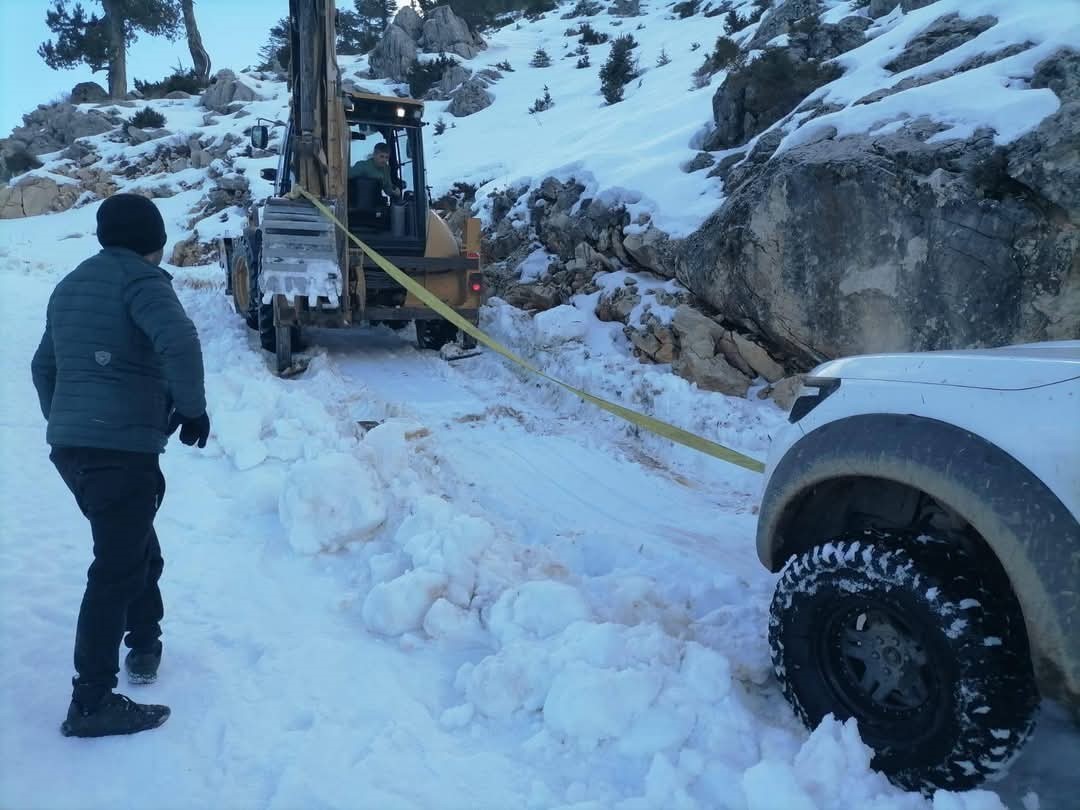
(924,510)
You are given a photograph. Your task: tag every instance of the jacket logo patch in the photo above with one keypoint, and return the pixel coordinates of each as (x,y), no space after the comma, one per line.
(103,358)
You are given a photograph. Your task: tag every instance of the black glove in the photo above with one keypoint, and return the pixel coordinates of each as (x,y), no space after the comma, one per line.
(195,429)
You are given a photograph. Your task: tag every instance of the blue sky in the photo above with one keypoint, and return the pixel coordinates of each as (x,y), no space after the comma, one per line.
(233,31)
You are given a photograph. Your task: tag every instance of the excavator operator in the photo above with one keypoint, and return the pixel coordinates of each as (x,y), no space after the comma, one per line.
(377,167)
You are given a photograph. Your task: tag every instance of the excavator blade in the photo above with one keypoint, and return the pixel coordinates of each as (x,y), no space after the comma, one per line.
(299,253)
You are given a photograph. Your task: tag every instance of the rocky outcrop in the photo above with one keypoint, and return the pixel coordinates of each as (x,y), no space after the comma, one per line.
(395,53)
(51,127)
(892,244)
(36,195)
(224,90)
(756,96)
(89,93)
(943,36)
(585,237)
(445,32)
(441,32)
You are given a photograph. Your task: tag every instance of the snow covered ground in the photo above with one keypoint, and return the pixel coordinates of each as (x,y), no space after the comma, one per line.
(492,598)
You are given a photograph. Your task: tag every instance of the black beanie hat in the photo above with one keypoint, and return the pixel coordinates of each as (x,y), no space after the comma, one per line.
(131,221)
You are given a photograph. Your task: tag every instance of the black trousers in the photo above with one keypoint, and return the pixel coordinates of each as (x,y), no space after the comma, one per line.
(119,493)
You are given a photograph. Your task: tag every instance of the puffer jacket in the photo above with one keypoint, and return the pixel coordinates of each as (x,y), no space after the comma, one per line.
(118,355)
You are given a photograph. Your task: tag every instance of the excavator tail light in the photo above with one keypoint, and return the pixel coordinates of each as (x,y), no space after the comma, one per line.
(476,282)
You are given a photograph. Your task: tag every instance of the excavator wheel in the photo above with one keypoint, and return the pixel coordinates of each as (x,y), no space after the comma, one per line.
(243,302)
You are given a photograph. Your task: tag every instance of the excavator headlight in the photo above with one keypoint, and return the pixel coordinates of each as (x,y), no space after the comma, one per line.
(400,112)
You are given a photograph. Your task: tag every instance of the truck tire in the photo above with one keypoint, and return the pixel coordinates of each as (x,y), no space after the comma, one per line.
(434,334)
(906,636)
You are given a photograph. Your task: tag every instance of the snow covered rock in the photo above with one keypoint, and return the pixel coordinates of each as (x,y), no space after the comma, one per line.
(943,36)
(560,325)
(51,127)
(445,32)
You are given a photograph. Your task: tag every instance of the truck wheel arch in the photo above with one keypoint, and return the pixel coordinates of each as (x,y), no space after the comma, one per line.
(1030,532)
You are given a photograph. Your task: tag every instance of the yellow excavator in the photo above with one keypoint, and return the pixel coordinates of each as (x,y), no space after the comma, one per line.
(291,267)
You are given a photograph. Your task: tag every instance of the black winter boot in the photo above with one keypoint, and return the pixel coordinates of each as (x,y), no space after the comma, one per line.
(115,714)
(142,665)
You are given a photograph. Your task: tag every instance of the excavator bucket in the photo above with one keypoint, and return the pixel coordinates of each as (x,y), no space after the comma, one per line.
(299,253)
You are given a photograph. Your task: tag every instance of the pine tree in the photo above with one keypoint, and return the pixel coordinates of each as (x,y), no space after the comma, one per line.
(275,53)
(102,41)
(663,58)
(540,59)
(541,104)
(619,70)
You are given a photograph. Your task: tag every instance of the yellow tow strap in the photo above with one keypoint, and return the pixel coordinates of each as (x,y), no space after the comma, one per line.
(664,429)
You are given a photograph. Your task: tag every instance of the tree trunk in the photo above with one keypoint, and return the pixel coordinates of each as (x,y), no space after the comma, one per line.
(199,57)
(114,20)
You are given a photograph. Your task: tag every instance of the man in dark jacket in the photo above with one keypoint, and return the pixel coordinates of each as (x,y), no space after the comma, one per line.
(119,368)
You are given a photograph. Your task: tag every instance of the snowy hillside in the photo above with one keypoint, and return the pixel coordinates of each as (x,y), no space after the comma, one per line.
(399,582)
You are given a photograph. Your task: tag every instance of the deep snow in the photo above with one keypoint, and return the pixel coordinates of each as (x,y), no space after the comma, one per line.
(400,582)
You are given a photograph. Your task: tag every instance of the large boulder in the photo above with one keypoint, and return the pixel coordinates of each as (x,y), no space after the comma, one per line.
(225,89)
(51,127)
(36,195)
(394,55)
(445,32)
(470,97)
(89,93)
(896,244)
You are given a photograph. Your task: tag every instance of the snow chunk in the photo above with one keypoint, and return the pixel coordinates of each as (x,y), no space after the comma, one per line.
(537,610)
(590,703)
(330,501)
(560,325)
(398,606)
